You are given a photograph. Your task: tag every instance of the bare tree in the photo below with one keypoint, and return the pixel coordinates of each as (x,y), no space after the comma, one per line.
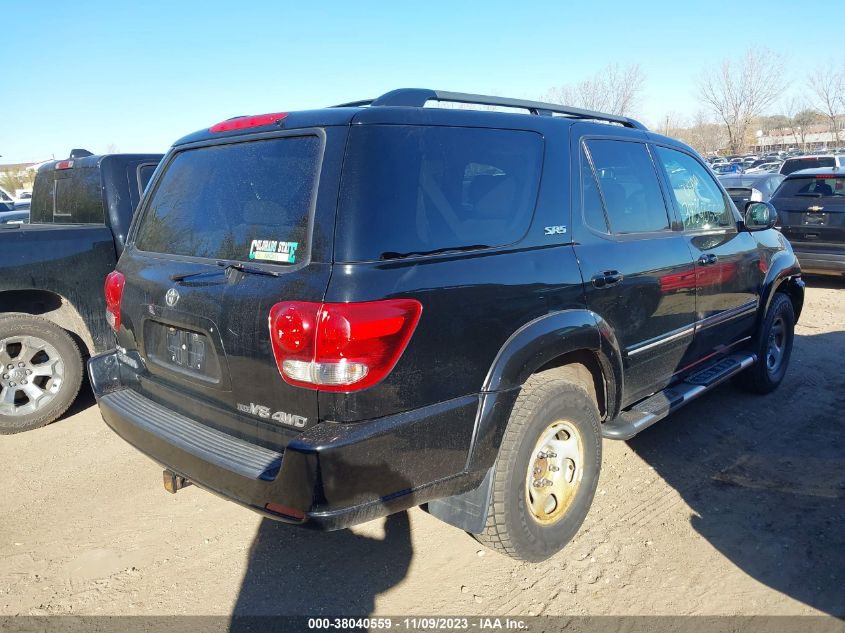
(702,134)
(828,85)
(613,89)
(737,93)
(801,118)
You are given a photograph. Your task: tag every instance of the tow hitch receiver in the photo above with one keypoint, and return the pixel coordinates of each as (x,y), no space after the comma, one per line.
(173,483)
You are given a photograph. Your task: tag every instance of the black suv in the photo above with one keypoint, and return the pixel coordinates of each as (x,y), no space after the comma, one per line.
(332,315)
(811,206)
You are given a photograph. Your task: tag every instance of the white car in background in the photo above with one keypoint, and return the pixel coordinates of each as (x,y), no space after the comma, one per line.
(8,202)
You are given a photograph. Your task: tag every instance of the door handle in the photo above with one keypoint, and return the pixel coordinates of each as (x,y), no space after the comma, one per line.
(708,259)
(607,278)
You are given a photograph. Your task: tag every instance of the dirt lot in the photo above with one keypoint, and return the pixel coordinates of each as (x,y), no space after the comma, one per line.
(734,506)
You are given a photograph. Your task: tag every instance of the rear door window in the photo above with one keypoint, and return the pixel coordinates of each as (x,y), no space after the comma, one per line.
(409,190)
(592,206)
(629,187)
(239,201)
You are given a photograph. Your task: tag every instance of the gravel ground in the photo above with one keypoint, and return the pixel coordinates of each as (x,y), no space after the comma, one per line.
(735,505)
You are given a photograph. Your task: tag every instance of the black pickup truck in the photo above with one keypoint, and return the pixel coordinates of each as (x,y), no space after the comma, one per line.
(52,310)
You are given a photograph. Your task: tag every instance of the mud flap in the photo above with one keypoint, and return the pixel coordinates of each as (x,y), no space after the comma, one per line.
(467,511)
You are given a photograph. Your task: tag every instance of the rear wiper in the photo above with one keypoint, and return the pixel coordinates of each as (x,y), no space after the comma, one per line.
(436,251)
(181,276)
(247,269)
(226,266)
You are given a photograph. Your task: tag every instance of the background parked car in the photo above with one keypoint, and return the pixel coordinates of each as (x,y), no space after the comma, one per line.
(811,161)
(766,168)
(745,188)
(811,208)
(19,216)
(728,168)
(9,202)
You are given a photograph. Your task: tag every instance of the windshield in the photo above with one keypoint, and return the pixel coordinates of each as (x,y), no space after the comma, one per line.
(240,201)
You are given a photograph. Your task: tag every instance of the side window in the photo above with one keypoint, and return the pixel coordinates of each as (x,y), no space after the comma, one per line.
(629,186)
(591,200)
(145,172)
(699,199)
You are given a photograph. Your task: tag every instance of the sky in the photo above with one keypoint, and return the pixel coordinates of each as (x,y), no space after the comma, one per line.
(136,76)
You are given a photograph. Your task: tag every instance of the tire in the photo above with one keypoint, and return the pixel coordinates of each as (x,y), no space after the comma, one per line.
(40,375)
(519,523)
(773,347)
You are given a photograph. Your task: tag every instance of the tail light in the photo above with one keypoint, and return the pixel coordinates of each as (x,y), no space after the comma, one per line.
(114,294)
(340,346)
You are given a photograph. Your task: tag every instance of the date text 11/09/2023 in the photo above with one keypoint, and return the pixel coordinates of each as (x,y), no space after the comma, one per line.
(419,624)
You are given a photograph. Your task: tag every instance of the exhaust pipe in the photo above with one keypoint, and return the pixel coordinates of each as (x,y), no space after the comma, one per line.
(173,483)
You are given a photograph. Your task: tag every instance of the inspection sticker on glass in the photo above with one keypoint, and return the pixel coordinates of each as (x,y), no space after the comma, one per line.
(273,250)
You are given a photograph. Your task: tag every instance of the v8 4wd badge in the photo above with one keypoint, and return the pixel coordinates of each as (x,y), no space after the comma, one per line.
(259,410)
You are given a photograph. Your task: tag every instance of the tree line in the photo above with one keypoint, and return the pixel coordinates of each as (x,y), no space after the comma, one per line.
(734,96)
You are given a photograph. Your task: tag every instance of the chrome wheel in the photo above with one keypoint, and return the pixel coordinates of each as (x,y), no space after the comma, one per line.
(776,345)
(32,374)
(554,472)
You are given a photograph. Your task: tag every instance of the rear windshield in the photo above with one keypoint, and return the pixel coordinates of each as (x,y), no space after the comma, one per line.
(794,164)
(813,187)
(410,190)
(68,196)
(241,201)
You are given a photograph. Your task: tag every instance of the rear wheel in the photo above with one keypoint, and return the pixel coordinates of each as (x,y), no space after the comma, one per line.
(547,470)
(40,372)
(773,348)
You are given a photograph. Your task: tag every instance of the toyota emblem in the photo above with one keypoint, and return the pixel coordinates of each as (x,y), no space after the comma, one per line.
(171,297)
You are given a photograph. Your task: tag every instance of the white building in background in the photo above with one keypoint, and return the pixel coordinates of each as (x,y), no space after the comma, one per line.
(815,139)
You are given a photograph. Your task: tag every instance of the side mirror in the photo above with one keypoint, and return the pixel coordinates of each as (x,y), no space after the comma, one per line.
(760,216)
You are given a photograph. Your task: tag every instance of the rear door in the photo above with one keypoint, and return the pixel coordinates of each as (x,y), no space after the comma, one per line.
(266,202)
(812,212)
(638,271)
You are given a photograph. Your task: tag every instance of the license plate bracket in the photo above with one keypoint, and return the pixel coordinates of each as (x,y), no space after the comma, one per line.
(186,349)
(815,219)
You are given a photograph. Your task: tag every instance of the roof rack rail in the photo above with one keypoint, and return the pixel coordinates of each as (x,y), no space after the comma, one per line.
(418,97)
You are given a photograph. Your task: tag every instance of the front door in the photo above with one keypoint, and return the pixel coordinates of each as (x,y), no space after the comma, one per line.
(729,271)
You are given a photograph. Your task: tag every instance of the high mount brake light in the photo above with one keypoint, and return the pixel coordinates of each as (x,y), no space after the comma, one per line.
(114,295)
(64,164)
(340,346)
(244,122)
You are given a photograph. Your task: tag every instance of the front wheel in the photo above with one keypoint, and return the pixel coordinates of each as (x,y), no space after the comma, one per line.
(40,372)
(773,348)
(547,470)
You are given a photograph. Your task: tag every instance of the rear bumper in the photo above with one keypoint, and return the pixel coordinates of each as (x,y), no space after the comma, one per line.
(814,262)
(331,476)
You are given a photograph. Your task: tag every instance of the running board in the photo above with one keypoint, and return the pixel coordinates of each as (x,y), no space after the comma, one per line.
(654,408)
